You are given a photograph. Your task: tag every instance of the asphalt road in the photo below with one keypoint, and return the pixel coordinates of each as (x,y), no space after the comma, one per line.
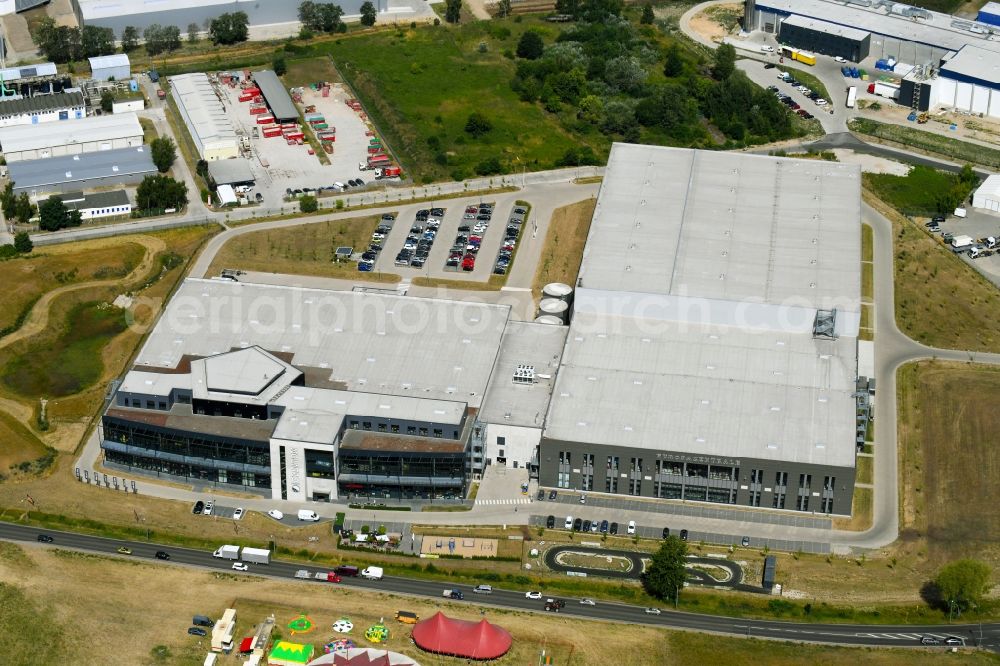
(874,635)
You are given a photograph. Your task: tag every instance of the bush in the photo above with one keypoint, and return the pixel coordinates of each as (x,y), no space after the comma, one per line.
(478,124)
(308,204)
(489,167)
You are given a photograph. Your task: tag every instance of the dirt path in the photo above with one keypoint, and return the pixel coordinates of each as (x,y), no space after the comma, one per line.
(38,319)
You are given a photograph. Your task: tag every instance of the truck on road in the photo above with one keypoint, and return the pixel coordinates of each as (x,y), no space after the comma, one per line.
(327,576)
(453,594)
(257,555)
(227,553)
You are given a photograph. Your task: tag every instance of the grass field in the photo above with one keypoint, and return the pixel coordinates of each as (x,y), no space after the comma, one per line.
(940,300)
(141,619)
(563,250)
(26,278)
(864,470)
(923,191)
(306,249)
(808,80)
(947,460)
(310,70)
(400,77)
(911,138)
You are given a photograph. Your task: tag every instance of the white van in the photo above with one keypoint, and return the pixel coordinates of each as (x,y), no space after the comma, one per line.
(766,49)
(372,573)
(306,514)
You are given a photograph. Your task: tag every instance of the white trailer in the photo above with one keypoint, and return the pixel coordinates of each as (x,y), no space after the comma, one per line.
(227,552)
(852,96)
(257,555)
(372,573)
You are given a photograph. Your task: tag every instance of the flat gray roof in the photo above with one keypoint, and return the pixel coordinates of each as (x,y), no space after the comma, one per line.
(86,166)
(827,27)
(726,226)
(227,172)
(207,119)
(375,343)
(17,138)
(99,200)
(692,326)
(54,102)
(937,30)
(275,95)
(975,63)
(524,404)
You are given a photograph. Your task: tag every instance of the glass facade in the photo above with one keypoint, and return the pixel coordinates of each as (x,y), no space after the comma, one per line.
(386,474)
(189,455)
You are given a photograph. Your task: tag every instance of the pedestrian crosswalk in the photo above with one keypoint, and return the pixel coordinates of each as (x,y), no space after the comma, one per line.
(519,500)
(902,636)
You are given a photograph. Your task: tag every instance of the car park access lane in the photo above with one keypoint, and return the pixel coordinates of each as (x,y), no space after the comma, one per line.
(899,635)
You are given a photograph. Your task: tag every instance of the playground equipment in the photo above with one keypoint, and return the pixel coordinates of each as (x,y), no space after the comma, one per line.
(339,645)
(343,626)
(377,633)
(301,625)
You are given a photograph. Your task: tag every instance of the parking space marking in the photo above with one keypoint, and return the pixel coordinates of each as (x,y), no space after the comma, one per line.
(520,500)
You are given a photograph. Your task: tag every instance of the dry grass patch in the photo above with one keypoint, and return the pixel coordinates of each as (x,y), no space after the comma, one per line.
(864,469)
(311,70)
(463,285)
(564,242)
(305,249)
(940,300)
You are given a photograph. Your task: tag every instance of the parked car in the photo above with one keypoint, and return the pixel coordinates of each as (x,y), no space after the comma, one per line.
(604,526)
(366,266)
(238,513)
(569,522)
(541,495)
(552,495)
(666,532)
(745,542)
(586,526)
(577,524)
(684,535)
(208,508)
(550,521)
(196,631)
(614,528)
(199,506)
(274,513)
(631,527)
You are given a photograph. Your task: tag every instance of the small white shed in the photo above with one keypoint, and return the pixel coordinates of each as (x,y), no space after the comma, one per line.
(105,68)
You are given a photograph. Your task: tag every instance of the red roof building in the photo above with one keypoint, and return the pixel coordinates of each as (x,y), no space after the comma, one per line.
(461,638)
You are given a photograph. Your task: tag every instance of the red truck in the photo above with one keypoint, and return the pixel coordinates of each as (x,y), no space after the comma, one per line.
(387,172)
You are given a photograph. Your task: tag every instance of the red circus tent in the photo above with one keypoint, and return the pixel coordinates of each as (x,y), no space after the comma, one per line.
(461,638)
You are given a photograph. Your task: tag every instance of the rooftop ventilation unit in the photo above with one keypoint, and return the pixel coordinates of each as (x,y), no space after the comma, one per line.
(825,325)
(524,374)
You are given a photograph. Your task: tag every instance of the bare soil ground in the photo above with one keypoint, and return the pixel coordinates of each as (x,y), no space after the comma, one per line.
(707,23)
(120,610)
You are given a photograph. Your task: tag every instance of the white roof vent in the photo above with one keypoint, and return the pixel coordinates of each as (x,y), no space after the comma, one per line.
(524,374)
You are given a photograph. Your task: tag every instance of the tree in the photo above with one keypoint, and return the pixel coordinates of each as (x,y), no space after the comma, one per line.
(24,210)
(192,32)
(230,28)
(130,39)
(368,14)
(530,46)
(308,204)
(22,242)
(647,14)
(107,101)
(52,215)
(97,41)
(963,582)
(309,16)
(330,16)
(160,39)
(503,9)
(666,574)
(60,44)
(478,124)
(160,192)
(625,73)
(674,65)
(163,152)
(453,11)
(279,65)
(725,62)
(8,201)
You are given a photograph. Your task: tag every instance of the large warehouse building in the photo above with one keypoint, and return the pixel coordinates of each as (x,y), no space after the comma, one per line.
(944,61)
(712,354)
(117,14)
(87,135)
(207,122)
(104,168)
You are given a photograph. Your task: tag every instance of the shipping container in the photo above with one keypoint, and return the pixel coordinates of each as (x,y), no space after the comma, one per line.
(257,110)
(265,120)
(272,132)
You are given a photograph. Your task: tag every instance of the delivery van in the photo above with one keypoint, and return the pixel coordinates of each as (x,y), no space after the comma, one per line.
(306,514)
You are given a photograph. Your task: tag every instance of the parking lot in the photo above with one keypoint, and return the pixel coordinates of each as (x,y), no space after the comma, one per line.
(979,225)
(291,166)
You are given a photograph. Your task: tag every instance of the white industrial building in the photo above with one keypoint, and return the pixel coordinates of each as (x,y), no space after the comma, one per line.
(99,205)
(42,109)
(210,127)
(97,133)
(111,67)
(942,61)
(513,413)
(712,350)
(987,196)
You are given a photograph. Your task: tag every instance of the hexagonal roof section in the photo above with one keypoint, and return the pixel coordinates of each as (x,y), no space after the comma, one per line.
(247,371)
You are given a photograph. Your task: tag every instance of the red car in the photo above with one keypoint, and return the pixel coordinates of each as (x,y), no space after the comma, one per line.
(469,263)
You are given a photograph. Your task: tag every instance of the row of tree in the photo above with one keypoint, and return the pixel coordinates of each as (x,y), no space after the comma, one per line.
(18,208)
(60,43)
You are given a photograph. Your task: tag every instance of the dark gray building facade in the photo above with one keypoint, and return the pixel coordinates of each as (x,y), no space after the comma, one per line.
(825,38)
(689,476)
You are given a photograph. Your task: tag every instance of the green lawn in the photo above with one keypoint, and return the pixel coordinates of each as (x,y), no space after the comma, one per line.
(912,138)
(419,87)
